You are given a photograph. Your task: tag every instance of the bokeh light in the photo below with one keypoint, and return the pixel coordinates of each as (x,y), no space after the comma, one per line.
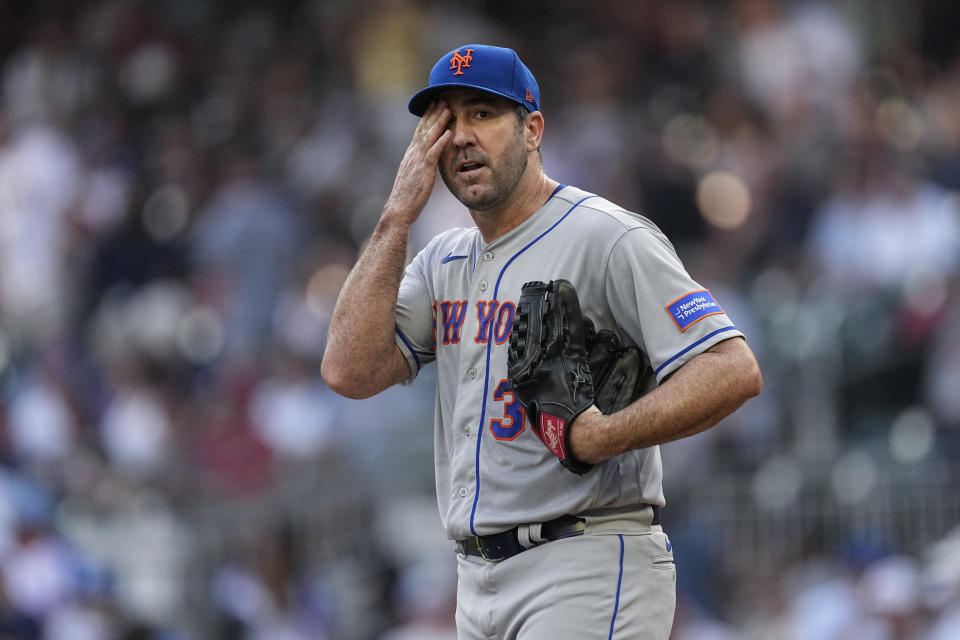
(912,435)
(777,482)
(690,140)
(854,477)
(724,199)
(200,335)
(166,212)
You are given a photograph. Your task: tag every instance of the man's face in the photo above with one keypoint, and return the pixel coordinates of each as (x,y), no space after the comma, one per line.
(487,155)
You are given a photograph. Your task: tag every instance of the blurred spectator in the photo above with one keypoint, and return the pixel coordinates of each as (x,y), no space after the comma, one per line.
(824,602)
(246,244)
(799,61)
(38,571)
(231,458)
(23,498)
(942,371)
(293,411)
(425,604)
(39,175)
(79,621)
(273,598)
(890,591)
(858,236)
(14,623)
(42,428)
(136,432)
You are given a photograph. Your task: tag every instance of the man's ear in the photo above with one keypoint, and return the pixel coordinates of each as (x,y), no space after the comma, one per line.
(533,130)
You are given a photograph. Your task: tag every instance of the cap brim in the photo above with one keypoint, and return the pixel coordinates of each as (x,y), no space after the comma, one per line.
(421,100)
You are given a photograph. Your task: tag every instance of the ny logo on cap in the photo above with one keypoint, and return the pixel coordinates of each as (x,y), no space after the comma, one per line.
(458,61)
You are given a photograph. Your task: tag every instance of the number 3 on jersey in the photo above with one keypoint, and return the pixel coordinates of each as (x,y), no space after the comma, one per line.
(511,424)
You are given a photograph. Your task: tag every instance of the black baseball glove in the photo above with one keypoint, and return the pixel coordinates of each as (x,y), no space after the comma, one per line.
(619,372)
(548,366)
(559,365)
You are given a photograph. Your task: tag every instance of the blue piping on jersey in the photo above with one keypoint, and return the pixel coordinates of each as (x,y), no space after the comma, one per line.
(701,340)
(486,383)
(409,346)
(616,602)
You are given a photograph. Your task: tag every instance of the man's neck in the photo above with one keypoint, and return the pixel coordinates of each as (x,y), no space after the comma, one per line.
(532,192)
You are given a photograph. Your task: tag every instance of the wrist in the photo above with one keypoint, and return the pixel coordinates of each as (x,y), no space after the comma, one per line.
(399,212)
(394,220)
(583,436)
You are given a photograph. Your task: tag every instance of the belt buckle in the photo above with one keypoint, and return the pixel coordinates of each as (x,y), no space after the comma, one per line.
(483,551)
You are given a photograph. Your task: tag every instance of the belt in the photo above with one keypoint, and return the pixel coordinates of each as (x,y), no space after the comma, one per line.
(501,546)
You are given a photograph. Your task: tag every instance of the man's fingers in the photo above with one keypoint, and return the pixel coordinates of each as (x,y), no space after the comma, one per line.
(433,153)
(433,121)
(432,112)
(424,121)
(432,130)
(417,172)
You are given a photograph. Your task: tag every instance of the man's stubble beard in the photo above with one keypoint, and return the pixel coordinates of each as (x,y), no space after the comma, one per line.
(511,165)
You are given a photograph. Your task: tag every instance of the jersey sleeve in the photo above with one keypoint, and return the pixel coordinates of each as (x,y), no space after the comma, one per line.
(415,324)
(656,302)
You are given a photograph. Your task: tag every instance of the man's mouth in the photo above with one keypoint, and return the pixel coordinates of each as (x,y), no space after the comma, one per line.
(468,169)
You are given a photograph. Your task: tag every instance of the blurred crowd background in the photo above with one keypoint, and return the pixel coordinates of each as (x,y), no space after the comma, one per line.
(185,184)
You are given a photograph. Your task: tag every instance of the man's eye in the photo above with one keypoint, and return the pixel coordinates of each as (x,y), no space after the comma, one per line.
(482,115)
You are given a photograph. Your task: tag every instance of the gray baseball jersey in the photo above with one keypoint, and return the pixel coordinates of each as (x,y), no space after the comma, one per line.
(456,305)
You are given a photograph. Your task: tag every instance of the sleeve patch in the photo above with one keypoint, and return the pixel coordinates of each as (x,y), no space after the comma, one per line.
(691,308)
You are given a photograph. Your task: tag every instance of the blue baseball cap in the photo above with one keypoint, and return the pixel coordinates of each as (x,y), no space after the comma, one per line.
(479,66)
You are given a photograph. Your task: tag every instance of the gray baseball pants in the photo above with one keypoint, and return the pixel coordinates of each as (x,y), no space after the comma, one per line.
(616,581)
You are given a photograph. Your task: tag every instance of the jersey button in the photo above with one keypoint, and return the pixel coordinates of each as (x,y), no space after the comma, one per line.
(483,285)
(488,256)
(472,374)
(463,492)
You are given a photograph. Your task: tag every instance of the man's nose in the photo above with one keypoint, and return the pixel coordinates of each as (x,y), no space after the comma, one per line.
(463,134)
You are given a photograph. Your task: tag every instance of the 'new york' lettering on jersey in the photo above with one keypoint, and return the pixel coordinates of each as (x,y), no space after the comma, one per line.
(453,315)
(491,315)
(499,315)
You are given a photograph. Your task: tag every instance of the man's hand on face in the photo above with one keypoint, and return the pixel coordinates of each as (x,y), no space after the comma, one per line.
(418,169)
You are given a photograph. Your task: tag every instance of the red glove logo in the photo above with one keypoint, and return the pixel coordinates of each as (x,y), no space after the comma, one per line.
(551,432)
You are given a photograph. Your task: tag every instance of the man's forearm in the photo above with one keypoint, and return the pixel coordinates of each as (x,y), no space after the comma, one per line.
(699,395)
(361,357)
(360,352)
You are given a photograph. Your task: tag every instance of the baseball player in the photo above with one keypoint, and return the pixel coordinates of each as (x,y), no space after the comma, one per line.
(574,549)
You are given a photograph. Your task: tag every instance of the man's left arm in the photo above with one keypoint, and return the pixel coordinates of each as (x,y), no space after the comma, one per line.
(697,396)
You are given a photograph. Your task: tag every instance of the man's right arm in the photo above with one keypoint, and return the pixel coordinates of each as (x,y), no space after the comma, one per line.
(361,356)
